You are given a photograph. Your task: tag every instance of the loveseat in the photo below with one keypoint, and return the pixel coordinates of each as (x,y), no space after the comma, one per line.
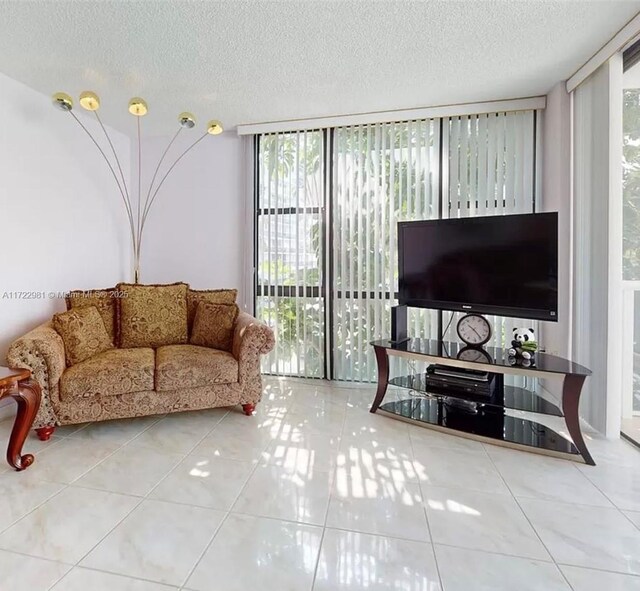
(147,362)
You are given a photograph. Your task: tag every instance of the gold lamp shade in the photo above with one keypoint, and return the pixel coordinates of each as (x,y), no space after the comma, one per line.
(187,120)
(89,101)
(62,101)
(138,106)
(214,127)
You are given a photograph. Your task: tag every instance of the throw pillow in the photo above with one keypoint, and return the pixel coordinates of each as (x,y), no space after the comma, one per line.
(211,296)
(83,333)
(152,315)
(103,300)
(214,325)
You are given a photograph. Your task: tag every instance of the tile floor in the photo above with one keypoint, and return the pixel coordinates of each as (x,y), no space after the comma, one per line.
(313,492)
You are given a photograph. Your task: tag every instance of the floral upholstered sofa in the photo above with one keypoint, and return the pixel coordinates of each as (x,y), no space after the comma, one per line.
(138,350)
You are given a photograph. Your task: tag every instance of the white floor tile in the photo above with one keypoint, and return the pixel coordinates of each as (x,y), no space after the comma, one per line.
(159,542)
(257,553)
(352,561)
(68,430)
(25,573)
(584,579)
(259,427)
(480,521)
(621,484)
(304,452)
(256,430)
(593,537)
(205,481)
(378,458)
(367,505)
(119,431)
(68,525)
(284,494)
(84,579)
(617,452)
(541,477)
(70,459)
(634,516)
(470,469)
(472,570)
(179,433)
(328,420)
(312,453)
(133,469)
(21,493)
(376,427)
(237,445)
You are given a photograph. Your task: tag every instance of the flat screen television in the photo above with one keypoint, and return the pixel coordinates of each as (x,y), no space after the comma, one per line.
(505,265)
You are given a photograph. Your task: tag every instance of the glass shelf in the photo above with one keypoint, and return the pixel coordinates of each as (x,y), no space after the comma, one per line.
(487,421)
(512,397)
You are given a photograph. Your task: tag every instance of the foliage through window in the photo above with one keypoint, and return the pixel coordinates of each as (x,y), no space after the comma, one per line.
(631,184)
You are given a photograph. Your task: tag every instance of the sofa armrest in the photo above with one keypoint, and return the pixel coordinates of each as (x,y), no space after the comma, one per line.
(251,338)
(41,351)
(251,334)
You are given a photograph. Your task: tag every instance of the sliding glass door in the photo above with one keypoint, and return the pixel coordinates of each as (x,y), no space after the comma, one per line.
(290,252)
(327,207)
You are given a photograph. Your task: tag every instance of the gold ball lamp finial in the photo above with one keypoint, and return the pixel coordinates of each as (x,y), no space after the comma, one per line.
(89,101)
(214,127)
(62,101)
(187,120)
(138,106)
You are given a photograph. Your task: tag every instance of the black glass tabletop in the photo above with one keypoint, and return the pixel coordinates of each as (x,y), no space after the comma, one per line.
(483,356)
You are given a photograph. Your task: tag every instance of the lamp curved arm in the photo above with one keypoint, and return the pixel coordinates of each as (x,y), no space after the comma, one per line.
(115,155)
(155,174)
(155,193)
(113,172)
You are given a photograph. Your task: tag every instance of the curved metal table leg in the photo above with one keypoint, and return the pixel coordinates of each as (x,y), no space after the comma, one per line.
(382,359)
(571,389)
(27,396)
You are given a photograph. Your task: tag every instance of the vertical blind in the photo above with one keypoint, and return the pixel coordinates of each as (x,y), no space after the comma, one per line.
(382,174)
(492,172)
(351,199)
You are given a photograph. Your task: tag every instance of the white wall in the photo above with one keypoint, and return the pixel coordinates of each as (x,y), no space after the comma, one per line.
(63,225)
(196,231)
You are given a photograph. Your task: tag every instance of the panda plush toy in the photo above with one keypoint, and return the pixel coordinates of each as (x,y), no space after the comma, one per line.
(523,344)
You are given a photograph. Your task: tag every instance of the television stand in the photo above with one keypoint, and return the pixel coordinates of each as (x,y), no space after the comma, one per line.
(480,415)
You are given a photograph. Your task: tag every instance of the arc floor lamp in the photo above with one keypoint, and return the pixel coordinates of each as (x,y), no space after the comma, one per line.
(137,209)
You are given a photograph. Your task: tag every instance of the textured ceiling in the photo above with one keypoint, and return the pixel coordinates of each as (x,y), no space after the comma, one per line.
(245,62)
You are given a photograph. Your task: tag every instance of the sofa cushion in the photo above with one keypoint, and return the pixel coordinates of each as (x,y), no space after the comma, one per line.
(211,296)
(83,333)
(190,366)
(117,371)
(103,300)
(213,326)
(152,315)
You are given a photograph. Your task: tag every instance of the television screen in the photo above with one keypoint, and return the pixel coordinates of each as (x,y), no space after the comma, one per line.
(505,265)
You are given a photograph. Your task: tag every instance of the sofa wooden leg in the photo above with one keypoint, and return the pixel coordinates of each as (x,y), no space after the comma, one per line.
(45,433)
(248,409)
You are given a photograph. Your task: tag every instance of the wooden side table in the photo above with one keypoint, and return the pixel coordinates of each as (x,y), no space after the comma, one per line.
(17,384)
